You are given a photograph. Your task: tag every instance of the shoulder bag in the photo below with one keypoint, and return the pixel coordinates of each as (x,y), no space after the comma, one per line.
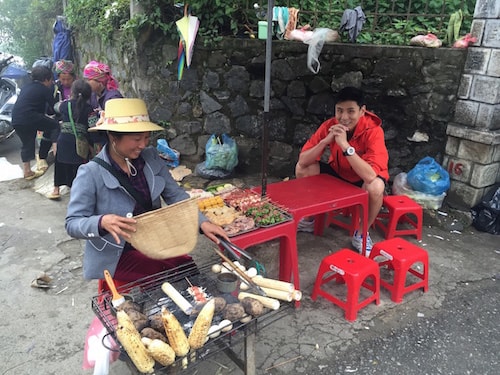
(81,142)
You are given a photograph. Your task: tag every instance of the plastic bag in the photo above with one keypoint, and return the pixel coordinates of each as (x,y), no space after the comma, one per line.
(429,40)
(167,153)
(221,153)
(428,201)
(316,42)
(429,177)
(486,215)
(211,174)
(95,355)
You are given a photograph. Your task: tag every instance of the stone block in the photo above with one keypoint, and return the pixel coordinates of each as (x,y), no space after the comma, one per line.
(484,175)
(465,86)
(477,60)
(466,112)
(494,64)
(459,169)
(486,89)
(474,151)
(496,153)
(487,116)
(477,30)
(487,9)
(452,144)
(492,33)
(465,194)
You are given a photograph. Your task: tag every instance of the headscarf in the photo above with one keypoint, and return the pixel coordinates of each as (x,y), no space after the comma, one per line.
(101,73)
(65,67)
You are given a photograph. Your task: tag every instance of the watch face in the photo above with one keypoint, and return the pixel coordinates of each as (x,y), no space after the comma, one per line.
(350,151)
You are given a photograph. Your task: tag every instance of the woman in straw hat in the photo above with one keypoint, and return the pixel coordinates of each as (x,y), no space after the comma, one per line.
(99,208)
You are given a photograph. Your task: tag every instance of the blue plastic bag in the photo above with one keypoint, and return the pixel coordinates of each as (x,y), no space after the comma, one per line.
(429,177)
(221,153)
(169,154)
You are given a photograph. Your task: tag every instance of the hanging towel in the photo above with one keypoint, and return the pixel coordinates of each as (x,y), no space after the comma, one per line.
(352,21)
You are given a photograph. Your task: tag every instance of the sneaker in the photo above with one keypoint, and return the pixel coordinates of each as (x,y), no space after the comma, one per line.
(357,243)
(306,226)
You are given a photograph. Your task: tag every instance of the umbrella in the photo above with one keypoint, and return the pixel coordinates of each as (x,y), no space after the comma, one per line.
(187,27)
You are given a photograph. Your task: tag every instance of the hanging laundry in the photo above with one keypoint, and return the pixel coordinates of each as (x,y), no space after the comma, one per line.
(352,21)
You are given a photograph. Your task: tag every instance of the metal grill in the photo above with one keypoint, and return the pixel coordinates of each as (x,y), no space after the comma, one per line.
(147,293)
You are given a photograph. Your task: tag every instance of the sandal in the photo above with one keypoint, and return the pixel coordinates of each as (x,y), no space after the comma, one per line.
(54,196)
(42,165)
(33,175)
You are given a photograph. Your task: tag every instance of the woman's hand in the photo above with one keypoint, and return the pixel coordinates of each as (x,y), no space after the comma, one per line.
(118,226)
(212,231)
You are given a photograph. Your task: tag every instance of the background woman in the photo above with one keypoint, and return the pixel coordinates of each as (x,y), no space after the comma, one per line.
(67,160)
(28,115)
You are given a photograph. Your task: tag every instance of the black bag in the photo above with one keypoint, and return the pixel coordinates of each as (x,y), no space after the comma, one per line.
(486,215)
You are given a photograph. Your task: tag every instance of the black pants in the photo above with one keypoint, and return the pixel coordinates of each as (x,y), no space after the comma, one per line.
(27,134)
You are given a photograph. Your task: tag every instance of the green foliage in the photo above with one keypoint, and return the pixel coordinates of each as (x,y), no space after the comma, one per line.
(97,18)
(27,25)
(391,22)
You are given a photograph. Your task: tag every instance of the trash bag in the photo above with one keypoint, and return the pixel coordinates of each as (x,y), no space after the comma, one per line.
(169,154)
(486,214)
(428,201)
(211,174)
(221,153)
(429,177)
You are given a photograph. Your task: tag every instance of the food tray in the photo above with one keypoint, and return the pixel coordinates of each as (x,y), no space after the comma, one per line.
(285,216)
(147,292)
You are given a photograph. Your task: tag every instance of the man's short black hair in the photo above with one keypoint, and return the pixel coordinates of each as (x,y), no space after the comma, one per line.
(351,93)
(41,73)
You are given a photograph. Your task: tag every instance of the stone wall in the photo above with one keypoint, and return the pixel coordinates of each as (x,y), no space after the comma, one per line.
(413,90)
(473,146)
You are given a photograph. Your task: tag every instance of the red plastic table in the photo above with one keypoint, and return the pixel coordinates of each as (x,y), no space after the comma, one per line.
(317,195)
(309,196)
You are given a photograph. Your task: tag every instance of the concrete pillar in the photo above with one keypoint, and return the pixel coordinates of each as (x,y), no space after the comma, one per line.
(473,145)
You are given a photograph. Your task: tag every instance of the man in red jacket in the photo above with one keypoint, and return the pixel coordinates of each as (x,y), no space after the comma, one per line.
(358,154)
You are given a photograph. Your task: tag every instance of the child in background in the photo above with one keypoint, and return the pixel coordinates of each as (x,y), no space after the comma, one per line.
(67,160)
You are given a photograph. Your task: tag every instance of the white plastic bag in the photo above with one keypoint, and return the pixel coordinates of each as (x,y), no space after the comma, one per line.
(400,187)
(316,42)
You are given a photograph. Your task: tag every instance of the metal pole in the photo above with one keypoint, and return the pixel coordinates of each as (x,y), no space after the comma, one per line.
(267,95)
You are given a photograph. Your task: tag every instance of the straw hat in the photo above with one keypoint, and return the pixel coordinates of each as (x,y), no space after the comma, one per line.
(126,116)
(167,232)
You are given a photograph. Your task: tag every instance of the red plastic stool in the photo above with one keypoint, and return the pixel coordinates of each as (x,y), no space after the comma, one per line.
(400,255)
(350,224)
(353,269)
(401,209)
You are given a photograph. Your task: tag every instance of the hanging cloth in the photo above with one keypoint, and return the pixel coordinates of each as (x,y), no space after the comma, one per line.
(352,21)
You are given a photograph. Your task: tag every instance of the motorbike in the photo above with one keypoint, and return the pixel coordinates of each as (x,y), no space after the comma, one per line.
(8,96)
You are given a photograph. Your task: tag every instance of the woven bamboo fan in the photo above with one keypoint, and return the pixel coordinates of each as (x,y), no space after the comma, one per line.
(167,232)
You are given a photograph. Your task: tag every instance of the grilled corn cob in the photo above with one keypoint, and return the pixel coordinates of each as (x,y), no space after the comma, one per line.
(175,334)
(130,339)
(202,324)
(160,351)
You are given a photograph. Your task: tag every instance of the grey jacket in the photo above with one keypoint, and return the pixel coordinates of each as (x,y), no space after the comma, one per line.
(96,192)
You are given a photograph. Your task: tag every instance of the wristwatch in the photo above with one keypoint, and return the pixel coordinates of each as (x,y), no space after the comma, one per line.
(349,151)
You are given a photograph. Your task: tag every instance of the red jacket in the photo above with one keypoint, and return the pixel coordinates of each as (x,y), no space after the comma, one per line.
(368,141)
